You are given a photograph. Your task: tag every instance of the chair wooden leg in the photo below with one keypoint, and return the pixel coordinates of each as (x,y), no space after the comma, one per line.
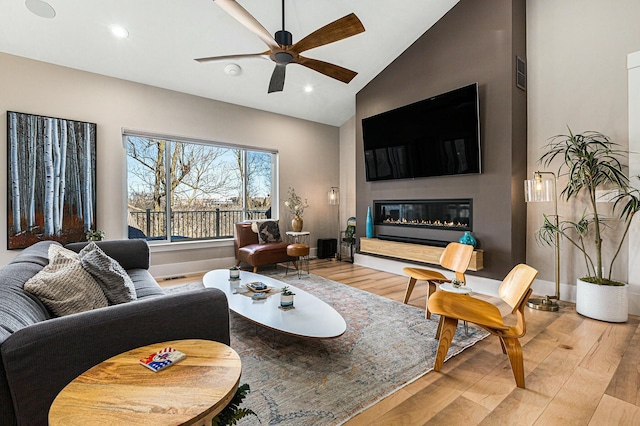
(504,350)
(430,291)
(255,269)
(238,264)
(446,336)
(410,285)
(514,351)
(439,330)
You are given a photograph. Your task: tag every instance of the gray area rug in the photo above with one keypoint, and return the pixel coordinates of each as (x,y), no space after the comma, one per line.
(297,381)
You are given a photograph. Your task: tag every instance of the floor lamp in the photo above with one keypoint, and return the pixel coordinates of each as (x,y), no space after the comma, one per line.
(334,200)
(541,190)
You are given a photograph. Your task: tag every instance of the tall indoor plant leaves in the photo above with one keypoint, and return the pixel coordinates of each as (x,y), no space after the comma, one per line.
(590,161)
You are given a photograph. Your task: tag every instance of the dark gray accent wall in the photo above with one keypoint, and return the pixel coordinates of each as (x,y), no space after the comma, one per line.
(476,41)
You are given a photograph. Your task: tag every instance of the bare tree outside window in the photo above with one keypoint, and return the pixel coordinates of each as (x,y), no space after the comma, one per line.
(203,183)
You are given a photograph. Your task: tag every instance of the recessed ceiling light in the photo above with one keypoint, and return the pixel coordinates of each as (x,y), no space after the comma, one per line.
(308,88)
(233,69)
(119,31)
(40,8)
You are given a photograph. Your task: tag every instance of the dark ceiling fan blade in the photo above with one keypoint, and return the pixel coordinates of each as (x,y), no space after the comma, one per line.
(340,29)
(277,78)
(228,57)
(330,70)
(241,15)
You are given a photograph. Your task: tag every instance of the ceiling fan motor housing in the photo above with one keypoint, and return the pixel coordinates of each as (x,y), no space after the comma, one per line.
(284,38)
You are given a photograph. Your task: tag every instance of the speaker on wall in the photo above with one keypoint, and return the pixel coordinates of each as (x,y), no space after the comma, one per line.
(521,73)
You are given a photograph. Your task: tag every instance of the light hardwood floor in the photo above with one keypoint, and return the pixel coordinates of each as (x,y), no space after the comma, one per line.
(578,371)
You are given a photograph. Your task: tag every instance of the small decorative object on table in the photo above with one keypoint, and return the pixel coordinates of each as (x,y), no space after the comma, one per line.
(162,359)
(456,283)
(296,207)
(369,223)
(257,286)
(234,273)
(468,239)
(286,298)
(94,235)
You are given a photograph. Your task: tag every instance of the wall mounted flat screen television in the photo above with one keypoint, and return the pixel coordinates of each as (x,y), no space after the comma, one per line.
(437,136)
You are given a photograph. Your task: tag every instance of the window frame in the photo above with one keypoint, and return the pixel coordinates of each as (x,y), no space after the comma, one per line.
(209,242)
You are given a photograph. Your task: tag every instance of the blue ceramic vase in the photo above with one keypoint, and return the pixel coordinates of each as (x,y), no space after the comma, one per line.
(468,239)
(369,223)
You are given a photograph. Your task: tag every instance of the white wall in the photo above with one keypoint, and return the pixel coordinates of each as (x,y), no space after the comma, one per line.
(308,152)
(347,171)
(633,64)
(577,76)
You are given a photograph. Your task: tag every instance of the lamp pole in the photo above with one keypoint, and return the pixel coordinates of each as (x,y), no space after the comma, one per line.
(334,199)
(535,191)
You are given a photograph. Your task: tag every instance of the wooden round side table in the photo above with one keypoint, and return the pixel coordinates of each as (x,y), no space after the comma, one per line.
(121,391)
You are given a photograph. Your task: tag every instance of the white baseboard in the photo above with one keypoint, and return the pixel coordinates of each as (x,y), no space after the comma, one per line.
(199,266)
(195,267)
(480,285)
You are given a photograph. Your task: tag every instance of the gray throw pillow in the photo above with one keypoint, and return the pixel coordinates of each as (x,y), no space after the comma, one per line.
(64,286)
(110,275)
(269,232)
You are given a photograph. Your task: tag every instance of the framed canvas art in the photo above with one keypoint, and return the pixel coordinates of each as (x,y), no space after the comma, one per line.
(51,191)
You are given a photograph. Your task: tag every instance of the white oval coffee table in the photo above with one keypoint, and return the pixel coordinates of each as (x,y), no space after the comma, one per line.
(311,318)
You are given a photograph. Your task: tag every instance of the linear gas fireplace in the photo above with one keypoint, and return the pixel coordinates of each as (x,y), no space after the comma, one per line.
(423,221)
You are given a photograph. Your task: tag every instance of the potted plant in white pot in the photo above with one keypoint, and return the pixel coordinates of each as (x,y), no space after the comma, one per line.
(592,161)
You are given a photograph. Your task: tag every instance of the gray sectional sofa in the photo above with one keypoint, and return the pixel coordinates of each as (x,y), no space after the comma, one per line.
(41,354)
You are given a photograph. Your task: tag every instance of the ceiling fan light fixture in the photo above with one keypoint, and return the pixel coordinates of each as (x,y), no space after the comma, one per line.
(283,57)
(232,70)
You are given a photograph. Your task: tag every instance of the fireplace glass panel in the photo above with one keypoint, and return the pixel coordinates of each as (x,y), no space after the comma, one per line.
(441,214)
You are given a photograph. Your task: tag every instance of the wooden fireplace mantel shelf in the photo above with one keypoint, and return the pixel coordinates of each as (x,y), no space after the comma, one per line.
(413,252)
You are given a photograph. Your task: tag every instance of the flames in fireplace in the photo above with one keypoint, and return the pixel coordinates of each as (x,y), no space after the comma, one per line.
(442,214)
(421,222)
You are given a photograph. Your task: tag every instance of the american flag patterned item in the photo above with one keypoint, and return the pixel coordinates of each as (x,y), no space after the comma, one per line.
(162,359)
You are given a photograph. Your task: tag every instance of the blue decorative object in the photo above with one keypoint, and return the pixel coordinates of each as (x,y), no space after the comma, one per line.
(369,223)
(468,239)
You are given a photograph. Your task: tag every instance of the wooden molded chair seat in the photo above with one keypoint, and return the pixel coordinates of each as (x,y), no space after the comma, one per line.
(514,290)
(455,257)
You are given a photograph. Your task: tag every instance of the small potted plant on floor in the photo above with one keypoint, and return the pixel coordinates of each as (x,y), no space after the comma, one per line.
(286,298)
(592,161)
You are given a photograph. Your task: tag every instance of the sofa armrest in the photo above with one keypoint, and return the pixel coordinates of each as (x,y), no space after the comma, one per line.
(40,360)
(131,254)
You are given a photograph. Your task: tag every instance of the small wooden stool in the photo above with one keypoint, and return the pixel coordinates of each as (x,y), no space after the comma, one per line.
(301,252)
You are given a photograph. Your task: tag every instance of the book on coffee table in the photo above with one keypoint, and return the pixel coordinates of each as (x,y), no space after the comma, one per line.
(162,359)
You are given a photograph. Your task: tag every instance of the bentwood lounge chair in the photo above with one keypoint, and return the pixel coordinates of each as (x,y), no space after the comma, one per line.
(455,257)
(514,290)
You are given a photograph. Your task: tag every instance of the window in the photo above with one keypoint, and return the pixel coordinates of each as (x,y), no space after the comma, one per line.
(181,190)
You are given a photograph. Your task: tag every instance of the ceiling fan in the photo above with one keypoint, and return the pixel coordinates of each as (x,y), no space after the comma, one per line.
(283,51)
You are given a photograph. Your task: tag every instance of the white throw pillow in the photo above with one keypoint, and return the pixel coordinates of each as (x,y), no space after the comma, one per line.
(64,286)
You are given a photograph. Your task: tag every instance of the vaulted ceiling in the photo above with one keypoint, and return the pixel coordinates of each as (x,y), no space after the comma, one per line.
(166,35)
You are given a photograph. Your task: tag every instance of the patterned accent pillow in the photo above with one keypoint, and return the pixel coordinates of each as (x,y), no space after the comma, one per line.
(64,286)
(110,275)
(269,232)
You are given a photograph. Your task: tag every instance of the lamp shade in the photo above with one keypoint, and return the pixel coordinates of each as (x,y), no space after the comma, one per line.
(538,190)
(334,195)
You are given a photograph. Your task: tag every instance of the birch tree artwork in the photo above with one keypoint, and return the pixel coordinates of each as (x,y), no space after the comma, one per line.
(51,179)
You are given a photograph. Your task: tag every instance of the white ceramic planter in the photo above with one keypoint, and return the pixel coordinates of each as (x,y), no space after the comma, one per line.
(286,301)
(602,302)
